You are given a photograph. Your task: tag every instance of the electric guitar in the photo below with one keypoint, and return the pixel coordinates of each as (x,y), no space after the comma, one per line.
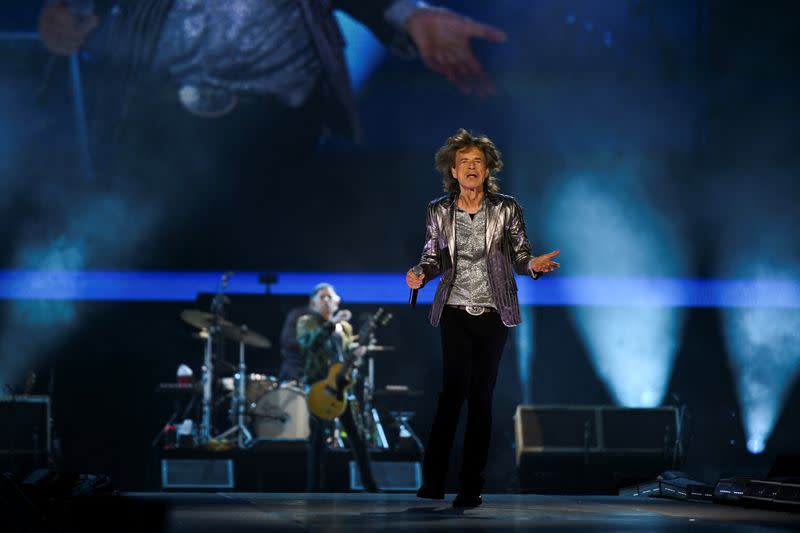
(327,397)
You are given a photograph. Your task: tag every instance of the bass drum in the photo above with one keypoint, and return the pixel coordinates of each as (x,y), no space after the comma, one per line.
(281,414)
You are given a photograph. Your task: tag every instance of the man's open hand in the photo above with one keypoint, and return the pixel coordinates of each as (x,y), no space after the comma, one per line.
(442,38)
(544,263)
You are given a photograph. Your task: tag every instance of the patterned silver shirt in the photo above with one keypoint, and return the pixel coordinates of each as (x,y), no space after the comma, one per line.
(471,283)
(248,46)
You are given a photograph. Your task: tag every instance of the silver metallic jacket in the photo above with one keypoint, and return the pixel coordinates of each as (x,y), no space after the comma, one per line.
(507,250)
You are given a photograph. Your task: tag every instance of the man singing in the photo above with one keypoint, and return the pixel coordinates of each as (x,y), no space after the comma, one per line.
(475,238)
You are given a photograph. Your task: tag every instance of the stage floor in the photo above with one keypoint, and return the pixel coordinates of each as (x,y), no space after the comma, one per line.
(244,512)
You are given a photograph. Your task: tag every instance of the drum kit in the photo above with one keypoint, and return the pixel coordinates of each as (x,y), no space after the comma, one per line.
(259,406)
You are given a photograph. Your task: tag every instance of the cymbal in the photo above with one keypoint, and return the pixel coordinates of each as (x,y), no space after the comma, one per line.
(201,319)
(249,338)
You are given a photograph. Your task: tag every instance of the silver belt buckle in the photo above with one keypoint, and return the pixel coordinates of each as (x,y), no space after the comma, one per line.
(474,310)
(206,102)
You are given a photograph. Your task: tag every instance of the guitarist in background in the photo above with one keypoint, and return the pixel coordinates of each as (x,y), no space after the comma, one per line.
(324,336)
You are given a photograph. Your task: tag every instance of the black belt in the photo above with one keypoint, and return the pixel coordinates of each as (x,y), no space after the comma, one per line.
(474,310)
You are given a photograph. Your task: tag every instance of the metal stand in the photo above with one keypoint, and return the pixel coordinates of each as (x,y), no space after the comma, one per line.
(244,437)
(208,387)
(214,333)
(376,435)
(402,419)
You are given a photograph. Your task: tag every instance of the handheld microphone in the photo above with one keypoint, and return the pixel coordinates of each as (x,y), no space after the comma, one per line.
(412,297)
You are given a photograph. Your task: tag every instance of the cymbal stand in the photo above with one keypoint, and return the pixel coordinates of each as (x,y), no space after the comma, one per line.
(208,387)
(244,438)
(217,309)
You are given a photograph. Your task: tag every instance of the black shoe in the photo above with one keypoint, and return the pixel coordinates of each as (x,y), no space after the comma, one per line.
(430,492)
(464,501)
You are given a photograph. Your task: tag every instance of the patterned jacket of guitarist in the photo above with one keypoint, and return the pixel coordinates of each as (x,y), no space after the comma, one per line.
(322,342)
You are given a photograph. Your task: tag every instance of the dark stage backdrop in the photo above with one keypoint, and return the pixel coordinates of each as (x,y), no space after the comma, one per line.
(654,142)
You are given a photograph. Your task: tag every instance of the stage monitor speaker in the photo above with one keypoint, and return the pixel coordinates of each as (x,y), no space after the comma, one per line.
(593,446)
(197,474)
(390,475)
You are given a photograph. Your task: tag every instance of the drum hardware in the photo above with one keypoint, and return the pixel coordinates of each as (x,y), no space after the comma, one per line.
(243,436)
(213,324)
(402,421)
(213,329)
(172,429)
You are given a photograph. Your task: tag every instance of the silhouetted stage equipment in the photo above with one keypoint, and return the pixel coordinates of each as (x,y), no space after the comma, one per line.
(399,476)
(24,433)
(674,485)
(566,449)
(63,501)
(197,473)
(280,466)
(780,490)
(758,493)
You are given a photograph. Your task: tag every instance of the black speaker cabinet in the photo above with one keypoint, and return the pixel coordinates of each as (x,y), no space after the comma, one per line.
(584,446)
(24,433)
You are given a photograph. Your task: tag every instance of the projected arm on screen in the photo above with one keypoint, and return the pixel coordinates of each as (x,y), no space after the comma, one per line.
(443,40)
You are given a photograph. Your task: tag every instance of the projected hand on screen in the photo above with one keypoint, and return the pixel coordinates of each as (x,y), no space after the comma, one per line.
(544,263)
(442,38)
(61,30)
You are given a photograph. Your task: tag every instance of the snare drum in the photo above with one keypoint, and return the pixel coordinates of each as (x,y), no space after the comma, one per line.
(281,414)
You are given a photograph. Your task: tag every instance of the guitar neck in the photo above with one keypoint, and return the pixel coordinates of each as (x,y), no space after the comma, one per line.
(347,364)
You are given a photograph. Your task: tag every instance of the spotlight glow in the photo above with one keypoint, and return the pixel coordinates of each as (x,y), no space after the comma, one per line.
(764,349)
(88,228)
(523,337)
(763,342)
(612,231)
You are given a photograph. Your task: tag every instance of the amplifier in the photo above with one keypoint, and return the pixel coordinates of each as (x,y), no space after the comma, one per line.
(594,430)
(25,423)
(390,475)
(593,449)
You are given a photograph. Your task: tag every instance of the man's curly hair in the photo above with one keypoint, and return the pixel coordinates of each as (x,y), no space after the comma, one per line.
(446,159)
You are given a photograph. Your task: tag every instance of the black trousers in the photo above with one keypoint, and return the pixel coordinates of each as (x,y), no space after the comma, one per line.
(315,466)
(471,351)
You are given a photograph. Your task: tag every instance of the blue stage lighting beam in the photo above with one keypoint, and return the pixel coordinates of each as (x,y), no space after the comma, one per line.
(603,222)
(390,288)
(764,349)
